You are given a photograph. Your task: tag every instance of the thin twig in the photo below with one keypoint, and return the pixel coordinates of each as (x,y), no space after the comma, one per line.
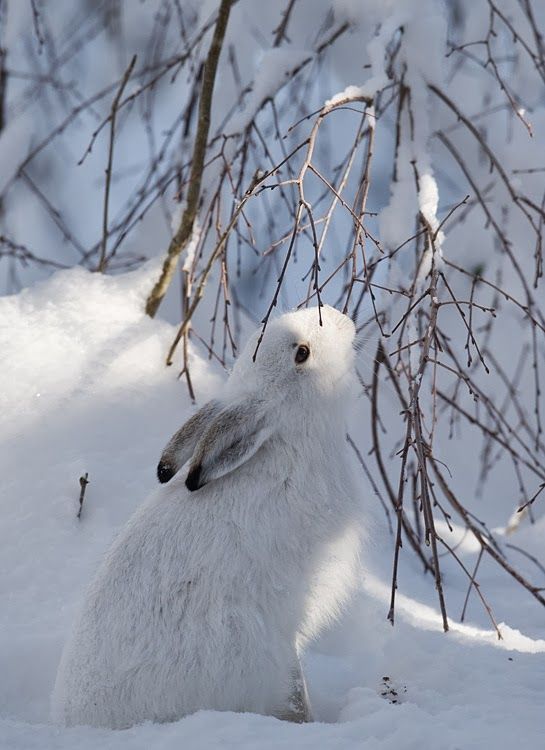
(102,260)
(83,482)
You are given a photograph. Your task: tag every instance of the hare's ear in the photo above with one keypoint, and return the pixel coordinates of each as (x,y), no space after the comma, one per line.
(180,447)
(231,439)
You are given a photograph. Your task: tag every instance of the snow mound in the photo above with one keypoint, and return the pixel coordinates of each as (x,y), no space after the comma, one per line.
(84,390)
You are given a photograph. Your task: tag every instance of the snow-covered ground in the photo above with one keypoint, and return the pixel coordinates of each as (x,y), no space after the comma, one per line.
(84,389)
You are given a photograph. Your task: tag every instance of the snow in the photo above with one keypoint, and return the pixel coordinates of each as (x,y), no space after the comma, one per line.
(428,198)
(191,249)
(85,390)
(350,93)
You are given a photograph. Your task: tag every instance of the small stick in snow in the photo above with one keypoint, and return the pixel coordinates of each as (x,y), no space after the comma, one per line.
(83,482)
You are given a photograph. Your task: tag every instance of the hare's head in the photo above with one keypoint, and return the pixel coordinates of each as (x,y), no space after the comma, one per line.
(302,363)
(302,353)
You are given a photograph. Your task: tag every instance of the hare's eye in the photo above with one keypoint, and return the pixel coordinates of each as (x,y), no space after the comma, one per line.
(302,353)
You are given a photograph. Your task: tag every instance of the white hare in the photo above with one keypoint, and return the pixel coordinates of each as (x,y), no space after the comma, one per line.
(210,592)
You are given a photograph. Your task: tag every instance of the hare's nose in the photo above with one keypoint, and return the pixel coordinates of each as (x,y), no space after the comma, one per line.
(165,472)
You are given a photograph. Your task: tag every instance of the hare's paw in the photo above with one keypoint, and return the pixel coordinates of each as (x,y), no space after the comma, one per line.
(298,706)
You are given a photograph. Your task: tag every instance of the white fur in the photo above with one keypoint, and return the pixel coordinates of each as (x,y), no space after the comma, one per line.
(206,598)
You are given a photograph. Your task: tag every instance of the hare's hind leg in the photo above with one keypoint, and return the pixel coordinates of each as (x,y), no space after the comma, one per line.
(298,706)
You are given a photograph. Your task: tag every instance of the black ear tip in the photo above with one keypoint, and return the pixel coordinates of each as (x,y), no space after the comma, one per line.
(165,472)
(193,479)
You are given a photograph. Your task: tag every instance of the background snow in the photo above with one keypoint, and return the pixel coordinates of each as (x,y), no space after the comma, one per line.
(85,389)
